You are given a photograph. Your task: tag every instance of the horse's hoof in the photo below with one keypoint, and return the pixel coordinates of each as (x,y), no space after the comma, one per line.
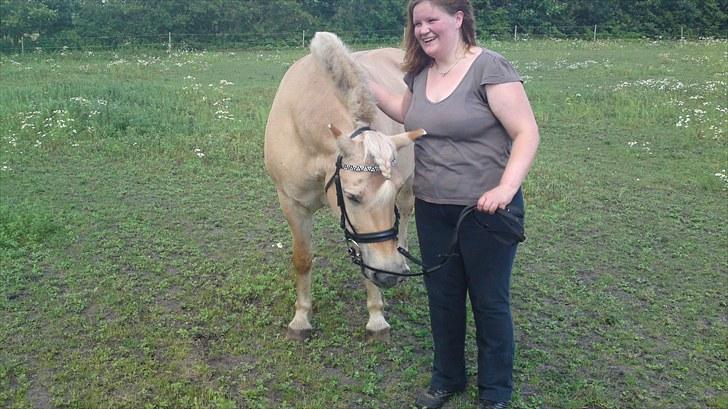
(378,336)
(298,334)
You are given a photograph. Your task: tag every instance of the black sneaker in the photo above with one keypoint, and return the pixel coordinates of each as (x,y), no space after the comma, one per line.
(486,404)
(433,399)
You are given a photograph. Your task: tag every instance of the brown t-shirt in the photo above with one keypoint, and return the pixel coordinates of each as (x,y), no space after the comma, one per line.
(466,147)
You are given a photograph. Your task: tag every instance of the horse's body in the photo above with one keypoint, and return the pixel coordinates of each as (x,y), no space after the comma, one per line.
(321,92)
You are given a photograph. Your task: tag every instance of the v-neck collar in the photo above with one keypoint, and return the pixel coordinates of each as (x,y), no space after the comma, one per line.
(454,90)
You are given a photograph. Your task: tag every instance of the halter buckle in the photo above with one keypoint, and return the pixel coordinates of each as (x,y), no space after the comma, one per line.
(354,251)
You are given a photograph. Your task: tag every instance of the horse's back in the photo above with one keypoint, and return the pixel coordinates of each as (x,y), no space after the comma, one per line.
(383,65)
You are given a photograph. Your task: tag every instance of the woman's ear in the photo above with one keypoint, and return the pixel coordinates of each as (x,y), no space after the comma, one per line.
(459,17)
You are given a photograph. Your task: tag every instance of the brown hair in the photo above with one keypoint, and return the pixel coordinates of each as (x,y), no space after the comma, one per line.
(415,59)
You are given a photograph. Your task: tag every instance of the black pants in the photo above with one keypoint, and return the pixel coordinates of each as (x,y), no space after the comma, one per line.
(483,273)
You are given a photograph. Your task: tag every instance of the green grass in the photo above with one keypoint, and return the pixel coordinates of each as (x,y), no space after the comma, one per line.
(144,260)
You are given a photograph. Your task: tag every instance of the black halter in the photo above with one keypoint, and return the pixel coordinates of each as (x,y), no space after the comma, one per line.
(353,235)
(510,216)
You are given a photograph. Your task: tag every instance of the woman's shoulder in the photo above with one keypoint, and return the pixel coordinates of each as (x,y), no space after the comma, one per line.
(493,67)
(490,55)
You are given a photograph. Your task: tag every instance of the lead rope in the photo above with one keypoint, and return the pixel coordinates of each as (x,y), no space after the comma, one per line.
(510,217)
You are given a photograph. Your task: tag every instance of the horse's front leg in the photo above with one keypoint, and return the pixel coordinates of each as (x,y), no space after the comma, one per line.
(377,327)
(300,221)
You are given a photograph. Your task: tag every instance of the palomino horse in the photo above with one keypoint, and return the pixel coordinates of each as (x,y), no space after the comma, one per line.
(322,112)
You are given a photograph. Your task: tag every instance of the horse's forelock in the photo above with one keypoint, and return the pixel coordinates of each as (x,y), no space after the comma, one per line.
(384,194)
(381,149)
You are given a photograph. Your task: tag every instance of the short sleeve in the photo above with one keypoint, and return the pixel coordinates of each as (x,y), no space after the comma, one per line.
(409,79)
(498,70)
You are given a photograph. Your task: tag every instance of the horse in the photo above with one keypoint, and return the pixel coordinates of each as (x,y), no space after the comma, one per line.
(324,126)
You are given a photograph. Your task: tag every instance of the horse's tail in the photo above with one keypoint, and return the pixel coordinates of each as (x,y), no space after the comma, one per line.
(349,78)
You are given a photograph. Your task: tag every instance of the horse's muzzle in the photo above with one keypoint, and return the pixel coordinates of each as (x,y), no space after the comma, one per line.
(384,280)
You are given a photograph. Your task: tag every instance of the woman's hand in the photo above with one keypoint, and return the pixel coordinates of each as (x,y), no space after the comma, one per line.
(496,198)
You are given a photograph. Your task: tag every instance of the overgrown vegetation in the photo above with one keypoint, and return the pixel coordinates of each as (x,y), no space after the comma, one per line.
(144,259)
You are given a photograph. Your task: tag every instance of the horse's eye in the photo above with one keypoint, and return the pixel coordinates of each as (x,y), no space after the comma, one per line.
(353,198)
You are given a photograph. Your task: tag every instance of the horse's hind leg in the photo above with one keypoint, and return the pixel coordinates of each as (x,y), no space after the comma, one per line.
(301,223)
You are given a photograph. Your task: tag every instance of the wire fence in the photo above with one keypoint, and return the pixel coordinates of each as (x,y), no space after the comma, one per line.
(291,39)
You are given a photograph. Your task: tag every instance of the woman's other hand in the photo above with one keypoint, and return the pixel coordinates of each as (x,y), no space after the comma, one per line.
(496,198)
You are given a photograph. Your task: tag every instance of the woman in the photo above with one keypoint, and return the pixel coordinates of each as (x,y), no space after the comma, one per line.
(482,138)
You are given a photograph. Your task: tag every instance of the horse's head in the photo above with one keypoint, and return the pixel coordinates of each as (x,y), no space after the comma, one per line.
(369,179)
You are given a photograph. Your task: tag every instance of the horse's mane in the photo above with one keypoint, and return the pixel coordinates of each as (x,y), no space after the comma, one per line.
(351,83)
(349,78)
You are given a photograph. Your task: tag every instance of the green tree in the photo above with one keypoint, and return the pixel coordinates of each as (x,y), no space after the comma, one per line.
(491,17)
(357,15)
(18,17)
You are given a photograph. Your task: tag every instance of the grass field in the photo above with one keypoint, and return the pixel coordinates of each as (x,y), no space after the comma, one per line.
(144,260)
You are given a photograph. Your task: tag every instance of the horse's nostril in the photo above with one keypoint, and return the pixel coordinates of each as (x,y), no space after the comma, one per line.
(385,280)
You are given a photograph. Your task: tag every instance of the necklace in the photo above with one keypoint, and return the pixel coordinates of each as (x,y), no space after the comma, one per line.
(444,73)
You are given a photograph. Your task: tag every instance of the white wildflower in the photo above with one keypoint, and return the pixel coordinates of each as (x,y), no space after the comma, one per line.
(724,177)
(80,100)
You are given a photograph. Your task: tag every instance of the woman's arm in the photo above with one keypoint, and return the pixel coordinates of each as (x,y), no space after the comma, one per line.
(510,105)
(395,106)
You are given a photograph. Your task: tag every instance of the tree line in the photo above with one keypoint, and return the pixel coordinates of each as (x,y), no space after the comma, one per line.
(77,20)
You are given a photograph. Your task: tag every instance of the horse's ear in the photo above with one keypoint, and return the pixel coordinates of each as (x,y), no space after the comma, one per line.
(345,144)
(406,138)
(334,131)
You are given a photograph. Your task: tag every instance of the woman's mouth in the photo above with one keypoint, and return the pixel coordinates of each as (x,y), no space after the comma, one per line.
(428,40)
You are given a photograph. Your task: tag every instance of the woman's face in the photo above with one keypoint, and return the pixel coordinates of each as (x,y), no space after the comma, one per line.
(436,31)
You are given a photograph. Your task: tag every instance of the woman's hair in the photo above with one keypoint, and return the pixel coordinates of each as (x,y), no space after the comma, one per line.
(415,59)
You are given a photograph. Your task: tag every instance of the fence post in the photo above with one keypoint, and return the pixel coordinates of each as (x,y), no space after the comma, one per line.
(515,32)
(682,36)
(595,32)
(169,42)
(22,46)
